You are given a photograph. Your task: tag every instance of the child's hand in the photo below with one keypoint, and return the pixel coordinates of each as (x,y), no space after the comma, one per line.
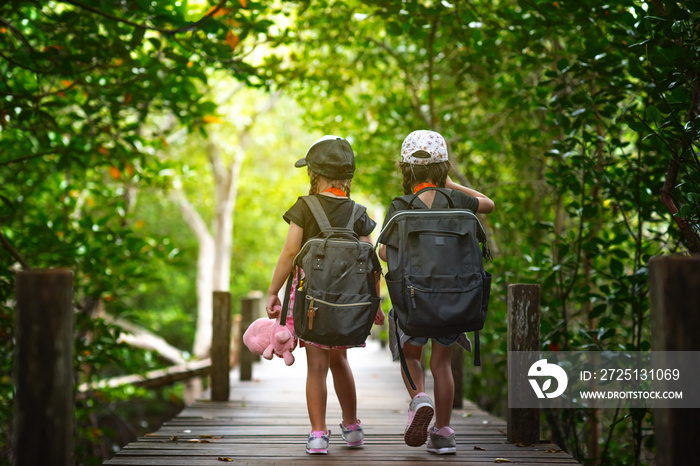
(273,306)
(379,317)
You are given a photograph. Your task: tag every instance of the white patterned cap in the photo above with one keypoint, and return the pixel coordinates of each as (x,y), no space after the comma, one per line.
(423,147)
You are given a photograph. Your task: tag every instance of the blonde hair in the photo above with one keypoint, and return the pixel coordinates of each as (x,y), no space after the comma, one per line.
(343,185)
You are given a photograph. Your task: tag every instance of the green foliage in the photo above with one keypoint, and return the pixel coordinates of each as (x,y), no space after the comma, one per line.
(572,116)
(80,81)
(579,119)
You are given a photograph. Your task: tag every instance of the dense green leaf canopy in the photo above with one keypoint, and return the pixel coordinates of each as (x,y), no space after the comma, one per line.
(578,118)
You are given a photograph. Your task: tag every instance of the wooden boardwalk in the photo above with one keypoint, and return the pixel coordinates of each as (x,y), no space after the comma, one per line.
(265,422)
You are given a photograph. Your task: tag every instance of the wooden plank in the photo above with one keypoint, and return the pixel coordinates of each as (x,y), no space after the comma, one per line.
(265,422)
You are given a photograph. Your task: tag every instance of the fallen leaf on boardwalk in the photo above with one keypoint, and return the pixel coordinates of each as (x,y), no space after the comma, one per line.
(479,448)
(228,460)
(520,444)
(553,451)
(173,438)
(502,460)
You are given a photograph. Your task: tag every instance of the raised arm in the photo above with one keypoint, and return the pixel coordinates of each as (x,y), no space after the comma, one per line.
(486,205)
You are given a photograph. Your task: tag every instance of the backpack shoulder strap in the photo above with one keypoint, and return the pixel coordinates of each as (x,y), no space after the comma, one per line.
(318,212)
(357,212)
(322,219)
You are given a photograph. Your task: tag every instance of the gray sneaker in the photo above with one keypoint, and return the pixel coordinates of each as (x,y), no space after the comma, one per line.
(420,413)
(442,444)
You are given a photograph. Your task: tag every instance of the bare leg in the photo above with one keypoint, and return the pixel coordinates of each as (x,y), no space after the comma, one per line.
(413,355)
(318,362)
(344,384)
(440,367)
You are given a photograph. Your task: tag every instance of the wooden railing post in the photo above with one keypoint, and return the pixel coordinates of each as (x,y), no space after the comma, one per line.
(44,400)
(250,306)
(674,289)
(523,336)
(221,347)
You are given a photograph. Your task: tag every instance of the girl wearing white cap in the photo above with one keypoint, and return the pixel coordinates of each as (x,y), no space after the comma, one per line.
(424,163)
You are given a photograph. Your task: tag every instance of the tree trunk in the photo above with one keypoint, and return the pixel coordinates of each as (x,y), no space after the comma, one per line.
(205,271)
(226,179)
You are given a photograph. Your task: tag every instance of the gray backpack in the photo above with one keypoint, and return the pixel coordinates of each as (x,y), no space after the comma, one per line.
(335,297)
(436,277)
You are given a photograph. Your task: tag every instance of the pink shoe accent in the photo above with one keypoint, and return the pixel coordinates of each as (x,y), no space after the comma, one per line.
(445,431)
(420,413)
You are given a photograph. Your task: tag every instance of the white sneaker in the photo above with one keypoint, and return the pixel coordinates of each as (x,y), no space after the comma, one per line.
(353,434)
(318,443)
(420,413)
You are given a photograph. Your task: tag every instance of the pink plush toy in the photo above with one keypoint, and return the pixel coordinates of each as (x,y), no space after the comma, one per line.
(267,337)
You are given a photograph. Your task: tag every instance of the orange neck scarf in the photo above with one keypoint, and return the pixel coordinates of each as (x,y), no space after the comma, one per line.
(335,191)
(423,186)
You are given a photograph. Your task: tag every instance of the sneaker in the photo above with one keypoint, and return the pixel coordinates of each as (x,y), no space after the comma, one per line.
(318,443)
(442,442)
(420,413)
(353,434)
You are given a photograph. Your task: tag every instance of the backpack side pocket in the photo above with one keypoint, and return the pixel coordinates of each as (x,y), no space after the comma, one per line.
(485,296)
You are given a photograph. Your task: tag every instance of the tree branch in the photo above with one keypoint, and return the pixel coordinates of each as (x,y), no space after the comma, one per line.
(139,337)
(191,216)
(13,252)
(413,91)
(431,63)
(28,157)
(168,32)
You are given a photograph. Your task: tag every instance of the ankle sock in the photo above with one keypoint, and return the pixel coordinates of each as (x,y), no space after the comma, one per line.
(445,431)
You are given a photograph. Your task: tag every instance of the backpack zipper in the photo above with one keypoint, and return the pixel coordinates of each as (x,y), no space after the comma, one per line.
(311,312)
(413,293)
(431,212)
(308,242)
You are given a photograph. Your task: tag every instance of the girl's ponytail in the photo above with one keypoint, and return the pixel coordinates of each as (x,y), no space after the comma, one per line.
(313,177)
(343,185)
(414,174)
